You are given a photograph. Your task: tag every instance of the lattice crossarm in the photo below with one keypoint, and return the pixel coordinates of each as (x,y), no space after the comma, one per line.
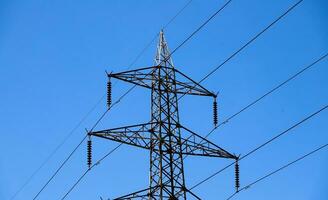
(186,85)
(142,76)
(194,144)
(145,76)
(136,135)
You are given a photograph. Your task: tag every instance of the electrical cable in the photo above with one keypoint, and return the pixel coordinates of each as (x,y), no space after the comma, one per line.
(262,145)
(79,144)
(246,44)
(278,170)
(200,27)
(268,93)
(56,149)
(69,156)
(89,169)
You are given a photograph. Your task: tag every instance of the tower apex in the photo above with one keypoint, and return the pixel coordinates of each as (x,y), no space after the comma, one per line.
(163,55)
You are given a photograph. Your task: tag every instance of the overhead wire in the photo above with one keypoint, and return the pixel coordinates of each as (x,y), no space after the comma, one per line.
(292,77)
(269,92)
(262,145)
(68,157)
(200,27)
(56,149)
(278,170)
(88,170)
(246,44)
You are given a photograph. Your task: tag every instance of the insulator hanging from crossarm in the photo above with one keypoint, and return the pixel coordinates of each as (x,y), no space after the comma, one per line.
(89,153)
(109,93)
(237,175)
(215,112)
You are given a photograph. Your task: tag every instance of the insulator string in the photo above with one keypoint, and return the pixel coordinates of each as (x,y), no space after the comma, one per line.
(109,93)
(215,112)
(237,176)
(89,153)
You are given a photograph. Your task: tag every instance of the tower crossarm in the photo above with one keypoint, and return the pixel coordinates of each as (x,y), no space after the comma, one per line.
(194,144)
(140,135)
(135,135)
(145,77)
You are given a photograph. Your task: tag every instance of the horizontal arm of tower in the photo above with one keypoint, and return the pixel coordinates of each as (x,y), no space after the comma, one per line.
(140,135)
(145,77)
(193,85)
(135,135)
(194,144)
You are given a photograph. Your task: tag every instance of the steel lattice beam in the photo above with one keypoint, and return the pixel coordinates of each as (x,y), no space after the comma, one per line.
(140,135)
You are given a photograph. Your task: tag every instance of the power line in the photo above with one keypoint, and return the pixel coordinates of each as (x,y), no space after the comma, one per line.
(200,27)
(89,169)
(79,144)
(262,145)
(176,15)
(56,149)
(266,94)
(269,92)
(60,167)
(278,170)
(248,43)
(69,156)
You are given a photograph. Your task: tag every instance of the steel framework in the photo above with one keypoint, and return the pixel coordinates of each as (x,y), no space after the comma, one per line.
(167,140)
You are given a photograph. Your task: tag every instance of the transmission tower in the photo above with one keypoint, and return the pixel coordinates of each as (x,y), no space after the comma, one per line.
(167,140)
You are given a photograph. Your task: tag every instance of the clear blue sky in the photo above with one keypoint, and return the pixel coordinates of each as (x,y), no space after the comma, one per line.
(53,57)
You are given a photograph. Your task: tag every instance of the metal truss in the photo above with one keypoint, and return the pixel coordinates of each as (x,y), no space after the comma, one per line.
(145,77)
(141,135)
(167,140)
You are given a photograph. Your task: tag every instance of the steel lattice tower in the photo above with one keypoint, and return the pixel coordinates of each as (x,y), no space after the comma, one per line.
(168,141)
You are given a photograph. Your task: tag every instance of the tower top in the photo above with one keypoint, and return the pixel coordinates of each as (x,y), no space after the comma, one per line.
(163,55)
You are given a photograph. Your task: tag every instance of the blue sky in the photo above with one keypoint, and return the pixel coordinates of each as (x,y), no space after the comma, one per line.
(53,57)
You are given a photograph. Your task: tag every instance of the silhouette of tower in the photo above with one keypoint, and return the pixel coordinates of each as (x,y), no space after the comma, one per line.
(167,140)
